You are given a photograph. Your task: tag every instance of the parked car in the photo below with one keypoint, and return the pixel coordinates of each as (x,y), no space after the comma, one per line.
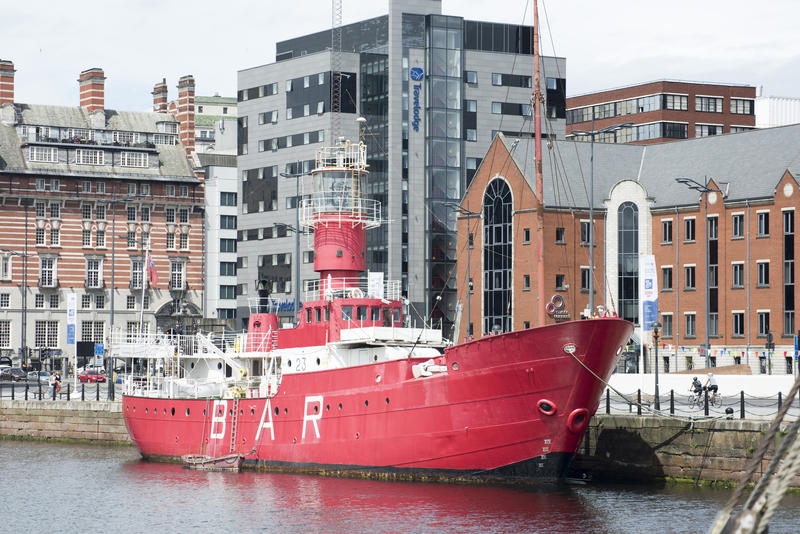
(38,376)
(91,375)
(12,374)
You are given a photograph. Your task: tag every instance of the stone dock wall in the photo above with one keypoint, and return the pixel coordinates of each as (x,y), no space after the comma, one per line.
(89,421)
(646,449)
(616,448)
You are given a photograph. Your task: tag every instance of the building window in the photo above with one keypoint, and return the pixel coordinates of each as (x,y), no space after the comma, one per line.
(93,331)
(170,241)
(712,104)
(131,213)
(713,324)
(738,324)
(43,153)
(763,273)
(497,257)
(741,106)
(666,329)
(666,231)
(100,212)
(136,274)
(5,334)
(559,282)
(183,241)
(688,229)
(101,238)
(227,222)
(737,227)
(183,215)
(176,278)
(145,213)
(227,199)
(227,268)
(55,237)
(628,260)
(55,210)
(46,334)
(763,323)
(737,277)
(308,256)
(228,292)
(677,102)
(40,236)
(93,273)
(134,159)
(89,157)
(169,214)
(763,224)
(666,279)
(526,235)
(4,300)
(471,76)
(688,273)
(130,302)
(584,232)
(559,235)
(40,210)
(227,245)
(585,274)
(39,301)
(497,108)
(86,302)
(788,323)
(691,325)
(5,267)
(471,134)
(706,130)
(47,277)
(86,211)
(131,239)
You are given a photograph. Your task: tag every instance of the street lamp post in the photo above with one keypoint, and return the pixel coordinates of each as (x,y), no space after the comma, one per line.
(703,189)
(113,203)
(593,133)
(469,214)
(296,285)
(656,331)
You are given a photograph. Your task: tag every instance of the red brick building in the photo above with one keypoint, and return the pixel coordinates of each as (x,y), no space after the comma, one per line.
(664,110)
(749,198)
(87,194)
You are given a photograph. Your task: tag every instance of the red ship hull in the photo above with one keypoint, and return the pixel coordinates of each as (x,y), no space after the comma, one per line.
(515,404)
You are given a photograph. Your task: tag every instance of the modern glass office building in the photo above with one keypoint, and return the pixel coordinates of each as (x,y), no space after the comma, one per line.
(434,90)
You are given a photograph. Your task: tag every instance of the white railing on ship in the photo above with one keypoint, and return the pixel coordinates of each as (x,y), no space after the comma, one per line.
(340,207)
(346,155)
(349,288)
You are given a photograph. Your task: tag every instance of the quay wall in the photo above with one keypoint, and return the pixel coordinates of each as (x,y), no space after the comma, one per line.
(634,448)
(90,421)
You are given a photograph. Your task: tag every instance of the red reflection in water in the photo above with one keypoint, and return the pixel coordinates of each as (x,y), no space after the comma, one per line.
(324,504)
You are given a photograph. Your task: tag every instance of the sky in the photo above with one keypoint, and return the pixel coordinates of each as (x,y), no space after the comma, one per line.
(607,43)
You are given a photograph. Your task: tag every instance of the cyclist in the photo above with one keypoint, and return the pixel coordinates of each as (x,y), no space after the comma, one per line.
(711,384)
(696,388)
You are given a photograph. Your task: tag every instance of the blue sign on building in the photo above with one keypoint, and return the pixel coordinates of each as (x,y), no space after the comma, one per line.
(416,73)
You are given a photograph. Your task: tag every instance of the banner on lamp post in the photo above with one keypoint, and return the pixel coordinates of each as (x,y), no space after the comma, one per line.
(649,290)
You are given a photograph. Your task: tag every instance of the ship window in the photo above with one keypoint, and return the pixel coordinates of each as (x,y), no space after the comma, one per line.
(347,313)
(318,314)
(376,314)
(308,315)
(277,410)
(387,317)
(396,315)
(361,313)
(327,314)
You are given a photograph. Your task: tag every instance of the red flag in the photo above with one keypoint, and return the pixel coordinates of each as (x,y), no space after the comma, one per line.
(151,270)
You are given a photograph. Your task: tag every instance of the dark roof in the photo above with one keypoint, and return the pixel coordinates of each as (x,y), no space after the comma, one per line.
(749,164)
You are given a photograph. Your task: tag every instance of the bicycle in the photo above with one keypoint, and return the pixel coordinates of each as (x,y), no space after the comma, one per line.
(695,399)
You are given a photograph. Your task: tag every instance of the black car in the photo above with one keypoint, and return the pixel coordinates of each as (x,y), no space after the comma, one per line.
(12,374)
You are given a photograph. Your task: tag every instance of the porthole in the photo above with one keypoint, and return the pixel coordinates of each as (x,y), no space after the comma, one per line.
(277,410)
(455,366)
(327,407)
(318,362)
(204,412)
(340,405)
(375,358)
(165,411)
(191,365)
(252,411)
(289,363)
(145,410)
(187,412)
(172,412)
(387,400)
(378,379)
(219,365)
(230,412)
(547,407)
(366,403)
(286,410)
(316,409)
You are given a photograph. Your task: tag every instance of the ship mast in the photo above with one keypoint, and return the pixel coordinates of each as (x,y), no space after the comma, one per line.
(537,125)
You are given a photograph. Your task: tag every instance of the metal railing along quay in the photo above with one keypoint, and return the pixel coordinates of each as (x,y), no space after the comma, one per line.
(740,404)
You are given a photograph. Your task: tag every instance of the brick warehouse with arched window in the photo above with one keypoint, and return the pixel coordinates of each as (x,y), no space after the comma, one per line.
(746,212)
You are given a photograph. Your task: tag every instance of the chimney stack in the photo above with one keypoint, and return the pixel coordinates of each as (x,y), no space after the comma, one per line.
(6,81)
(185,113)
(160,96)
(92,85)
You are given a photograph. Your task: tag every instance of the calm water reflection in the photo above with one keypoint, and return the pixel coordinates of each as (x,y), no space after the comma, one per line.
(101,489)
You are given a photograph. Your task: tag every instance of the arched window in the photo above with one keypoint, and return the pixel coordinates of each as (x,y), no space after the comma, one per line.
(497,257)
(628,258)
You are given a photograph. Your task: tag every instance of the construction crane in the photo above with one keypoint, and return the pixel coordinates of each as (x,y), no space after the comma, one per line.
(336,68)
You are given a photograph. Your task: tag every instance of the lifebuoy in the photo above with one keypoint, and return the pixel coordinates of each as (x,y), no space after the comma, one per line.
(356,293)
(558,301)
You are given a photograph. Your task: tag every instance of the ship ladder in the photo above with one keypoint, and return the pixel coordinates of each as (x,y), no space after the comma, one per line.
(234,423)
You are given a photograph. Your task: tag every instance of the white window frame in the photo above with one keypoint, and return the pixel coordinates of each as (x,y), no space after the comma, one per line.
(45,154)
(134,159)
(85,156)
